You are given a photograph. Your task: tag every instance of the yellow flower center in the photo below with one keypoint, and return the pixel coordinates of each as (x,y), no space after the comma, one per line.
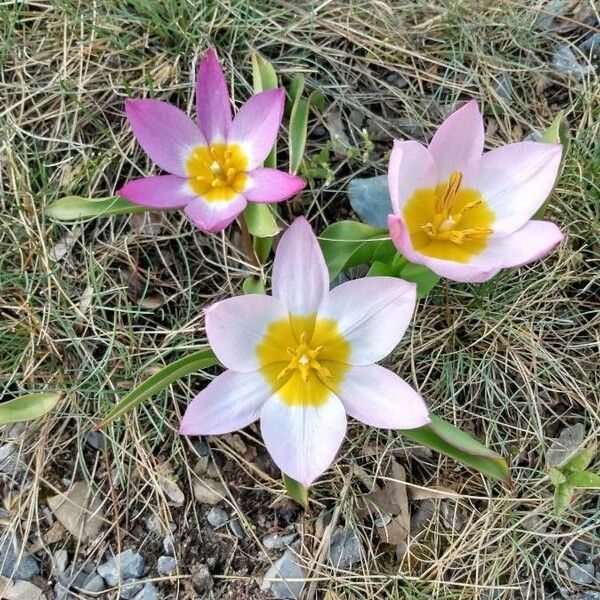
(303,359)
(217,172)
(448,221)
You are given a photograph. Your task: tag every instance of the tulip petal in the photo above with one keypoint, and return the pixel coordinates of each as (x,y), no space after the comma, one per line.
(458,141)
(371,313)
(471,272)
(237,325)
(214,216)
(533,241)
(303,440)
(515,180)
(163,191)
(300,277)
(272,185)
(166,133)
(411,167)
(228,403)
(212,100)
(256,125)
(377,397)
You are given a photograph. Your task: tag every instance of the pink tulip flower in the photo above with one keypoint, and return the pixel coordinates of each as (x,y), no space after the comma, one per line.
(466,214)
(215,166)
(301,359)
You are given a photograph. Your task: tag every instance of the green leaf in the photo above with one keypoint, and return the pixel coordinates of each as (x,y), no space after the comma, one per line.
(295,90)
(556,476)
(443,437)
(585,479)
(424,277)
(262,247)
(349,243)
(260,220)
(159,381)
(74,208)
(265,78)
(253,285)
(381,269)
(580,461)
(28,408)
(562,497)
(296,491)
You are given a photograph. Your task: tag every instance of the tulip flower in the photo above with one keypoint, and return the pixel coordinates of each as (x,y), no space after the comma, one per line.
(301,359)
(466,214)
(215,166)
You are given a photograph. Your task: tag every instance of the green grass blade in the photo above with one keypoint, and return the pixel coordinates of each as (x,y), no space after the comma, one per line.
(159,381)
(28,408)
(296,491)
(74,208)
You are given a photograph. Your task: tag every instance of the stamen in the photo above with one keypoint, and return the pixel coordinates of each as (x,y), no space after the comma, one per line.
(447,198)
(477,233)
(428,229)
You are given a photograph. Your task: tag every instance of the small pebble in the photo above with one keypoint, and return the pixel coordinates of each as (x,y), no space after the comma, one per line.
(124,566)
(276,541)
(167,565)
(130,588)
(169,545)
(201,578)
(93,584)
(96,440)
(292,574)
(11,566)
(582,574)
(148,592)
(237,529)
(217,517)
(60,560)
(345,548)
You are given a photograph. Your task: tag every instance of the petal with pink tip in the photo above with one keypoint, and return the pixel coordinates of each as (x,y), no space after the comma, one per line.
(300,277)
(272,185)
(472,272)
(411,167)
(166,133)
(256,125)
(303,440)
(377,397)
(515,180)
(212,100)
(163,191)
(459,141)
(371,313)
(228,403)
(237,325)
(533,241)
(214,216)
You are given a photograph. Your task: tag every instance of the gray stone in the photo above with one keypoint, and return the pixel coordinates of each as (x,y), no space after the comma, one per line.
(345,548)
(396,80)
(279,579)
(589,596)
(93,583)
(148,592)
(201,578)
(592,44)
(130,588)
(126,565)
(582,550)
(61,592)
(15,566)
(422,516)
(169,545)
(60,560)
(217,517)
(582,574)
(452,515)
(370,200)
(96,440)
(166,565)
(276,541)
(201,446)
(236,528)
(565,61)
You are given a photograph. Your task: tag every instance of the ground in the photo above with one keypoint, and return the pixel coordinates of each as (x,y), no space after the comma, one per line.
(93,308)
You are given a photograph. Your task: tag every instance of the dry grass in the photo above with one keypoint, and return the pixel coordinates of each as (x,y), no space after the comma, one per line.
(513,360)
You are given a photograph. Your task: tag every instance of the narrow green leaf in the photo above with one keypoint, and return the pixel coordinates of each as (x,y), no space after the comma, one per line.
(73,208)
(443,437)
(298,133)
(28,408)
(159,381)
(585,479)
(296,491)
(349,243)
(580,461)
(265,78)
(262,247)
(562,497)
(260,220)
(424,277)
(253,285)
(295,90)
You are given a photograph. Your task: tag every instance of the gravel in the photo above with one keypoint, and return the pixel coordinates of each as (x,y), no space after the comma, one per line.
(126,565)
(345,548)
(15,566)
(276,541)
(167,565)
(217,517)
(285,568)
(130,588)
(148,592)
(582,574)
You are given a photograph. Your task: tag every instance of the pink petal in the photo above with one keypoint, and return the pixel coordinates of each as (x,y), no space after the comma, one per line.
(411,167)
(228,403)
(166,133)
(300,278)
(515,180)
(533,241)
(377,397)
(303,440)
(212,100)
(371,313)
(473,272)
(164,191)
(272,185)
(236,326)
(458,141)
(214,216)
(256,125)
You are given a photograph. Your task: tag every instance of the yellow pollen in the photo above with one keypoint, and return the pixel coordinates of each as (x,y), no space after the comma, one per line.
(449,221)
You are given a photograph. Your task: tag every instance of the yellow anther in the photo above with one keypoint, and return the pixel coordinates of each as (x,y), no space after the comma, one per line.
(429,229)
(477,233)
(445,200)
(303,358)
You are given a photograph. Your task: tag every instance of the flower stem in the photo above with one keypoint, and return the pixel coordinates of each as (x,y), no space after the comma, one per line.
(247,241)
